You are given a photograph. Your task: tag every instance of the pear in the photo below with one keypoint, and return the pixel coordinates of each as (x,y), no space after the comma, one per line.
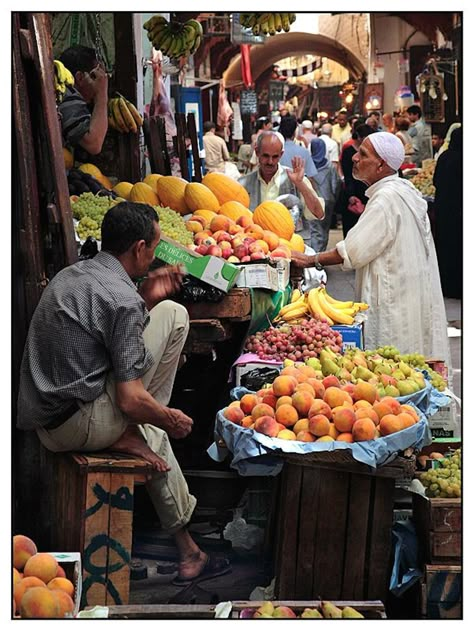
(398,375)
(319,374)
(419,379)
(344,374)
(364,373)
(359,360)
(329,367)
(350,612)
(265,610)
(380,390)
(387,380)
(311,613)
(348,364)
(382,369)
(404,388)
(314,363)
(288,362)
(414,385)
(405,368)
(330,610)
(283,612)
(392,391)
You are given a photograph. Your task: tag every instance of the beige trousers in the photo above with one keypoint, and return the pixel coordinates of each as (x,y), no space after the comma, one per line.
(99,423)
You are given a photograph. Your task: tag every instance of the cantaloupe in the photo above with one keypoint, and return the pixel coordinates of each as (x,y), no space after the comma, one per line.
(226,189)
(275,216)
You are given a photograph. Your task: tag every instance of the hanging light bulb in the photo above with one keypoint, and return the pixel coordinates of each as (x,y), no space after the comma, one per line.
(445,97)
(349,98)
(368,105)
(432,91)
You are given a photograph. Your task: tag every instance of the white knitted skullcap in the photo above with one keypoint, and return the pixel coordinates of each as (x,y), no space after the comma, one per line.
(389,148)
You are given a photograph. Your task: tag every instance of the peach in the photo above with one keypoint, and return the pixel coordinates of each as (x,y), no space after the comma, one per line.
(280,426)
(409,410)
(267,425)
(284,385)
(39,602)
(302,401)
(254,231)
(318,425)
(318,387)
(331,381)
(367,413)
(286,434)
(201,236)
(305,437)
(333,431)
(263,245)
(234,404)
(393,403)
(271,238)
(200,220)
(382,408)
(16,576)
(344,419)
(220,222)
(263,391)
(390,424)
(301,425)
(306,387)
(42,565)
(23,549)
(362,403)
(366,391)
(270,399)
(248,402)
(307,370)
(234,414)
(64,584)
(301,377)
(283,401)
(281,252)
(66,603)
(194,226)
(325,439)
(363,429)
(320,407)
(345,437)
(262,409)
(244,221)
(407,419)
(335,397)
(247,421)
(214,250)
(287,415)
(349,387)
(23,585)
(221,236)
(291,371)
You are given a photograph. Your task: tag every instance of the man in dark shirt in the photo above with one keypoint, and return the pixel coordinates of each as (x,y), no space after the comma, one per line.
(100,361)
(80,125)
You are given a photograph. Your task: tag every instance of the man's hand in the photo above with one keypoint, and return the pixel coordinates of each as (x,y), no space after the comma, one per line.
(355,205)
(98,81)
(297,175)
(160,284)
(178,424)
(298,259)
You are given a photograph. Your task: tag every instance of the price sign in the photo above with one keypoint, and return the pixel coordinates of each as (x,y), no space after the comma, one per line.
(248,102)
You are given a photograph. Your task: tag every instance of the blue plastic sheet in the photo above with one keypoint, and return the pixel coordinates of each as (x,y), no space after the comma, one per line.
(405,570)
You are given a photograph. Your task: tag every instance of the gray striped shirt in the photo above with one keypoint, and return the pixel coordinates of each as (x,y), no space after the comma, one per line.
(89,321)
(75,117)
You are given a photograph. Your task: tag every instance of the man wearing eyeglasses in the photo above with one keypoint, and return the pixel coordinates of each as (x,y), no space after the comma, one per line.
(83,110)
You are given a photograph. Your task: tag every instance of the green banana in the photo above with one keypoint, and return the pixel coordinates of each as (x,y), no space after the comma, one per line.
(164,44)
(189,34)
(278,25)
(197,43)
(196,25)
(271,24)
(153,21)
(159,33)
(256,29)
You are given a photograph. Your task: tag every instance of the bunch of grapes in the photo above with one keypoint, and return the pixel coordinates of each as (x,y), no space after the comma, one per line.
(416,360)
(88,227)
(174,226)
(294,341)
(445,481)
(92,206)
(389,352)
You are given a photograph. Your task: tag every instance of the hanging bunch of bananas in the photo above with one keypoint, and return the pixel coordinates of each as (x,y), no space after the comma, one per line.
(62,78)
(322,305)
(123,115)
(174,39)
(267,23)
(296,310)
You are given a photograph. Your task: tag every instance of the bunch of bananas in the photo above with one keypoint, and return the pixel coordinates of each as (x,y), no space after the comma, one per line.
(123,115)
(267,23)
(295,310)
(174,39)
(62,78)
(322,305)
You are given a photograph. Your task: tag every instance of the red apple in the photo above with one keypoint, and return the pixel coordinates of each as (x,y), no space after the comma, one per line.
(221,235)
(237,241)
(214,250)
(226,252)
(224,245)
(210,241)
(245,259)
(254,247)
(202,249)
(249,240)
(240,251)
(258,255)
(244,221)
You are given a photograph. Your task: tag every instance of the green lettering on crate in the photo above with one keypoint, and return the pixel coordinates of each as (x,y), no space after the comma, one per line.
(95,544)
(122,499)
(91,580)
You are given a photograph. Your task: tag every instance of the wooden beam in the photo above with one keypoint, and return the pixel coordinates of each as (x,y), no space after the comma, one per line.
(192,132)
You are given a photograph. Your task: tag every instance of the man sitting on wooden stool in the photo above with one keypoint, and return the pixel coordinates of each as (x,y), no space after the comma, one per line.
(99,365)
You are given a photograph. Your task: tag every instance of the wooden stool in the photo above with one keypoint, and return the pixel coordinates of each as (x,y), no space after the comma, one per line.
(93,515)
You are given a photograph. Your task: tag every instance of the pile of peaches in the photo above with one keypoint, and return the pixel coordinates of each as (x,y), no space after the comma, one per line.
(238,241)
(298,406)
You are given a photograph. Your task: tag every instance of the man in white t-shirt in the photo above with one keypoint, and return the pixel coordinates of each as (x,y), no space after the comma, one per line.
(332,149)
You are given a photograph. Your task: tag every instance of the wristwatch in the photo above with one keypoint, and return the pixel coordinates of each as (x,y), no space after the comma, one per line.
(317,264)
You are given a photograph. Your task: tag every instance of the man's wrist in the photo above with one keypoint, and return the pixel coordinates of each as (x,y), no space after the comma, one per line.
(316,263)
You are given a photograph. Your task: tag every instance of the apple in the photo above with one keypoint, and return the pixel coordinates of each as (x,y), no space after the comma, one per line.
(281,253)
(226,252)
(224,245)
(215,250)
(236,241)
(202,249)
(244,221)
(258,255)
(245,259)
(240,251)
(254,247)
(249,240)
(235,229)
(210,241)
(200,236)
(221,235)
(233,259)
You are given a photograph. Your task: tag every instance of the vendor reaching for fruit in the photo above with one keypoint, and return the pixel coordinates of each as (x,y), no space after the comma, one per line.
(99,365)
(391,249)
(271,179)
(79,125)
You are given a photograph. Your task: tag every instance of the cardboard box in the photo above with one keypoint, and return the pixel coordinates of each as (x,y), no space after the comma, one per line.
(210,269)
(274,275)
(352,336)
(71,564)
(242,369)
(444,423)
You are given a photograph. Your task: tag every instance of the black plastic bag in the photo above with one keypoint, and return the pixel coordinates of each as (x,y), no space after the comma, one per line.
(88,249)
(195,290)
(258,377)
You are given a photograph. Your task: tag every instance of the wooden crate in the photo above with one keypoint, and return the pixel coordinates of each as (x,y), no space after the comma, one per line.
(333,534)
(441,592)
(438,523)
(236,304)
(369,609)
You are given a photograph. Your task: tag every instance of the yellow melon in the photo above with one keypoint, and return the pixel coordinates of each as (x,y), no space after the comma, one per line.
(91,169)
(143,193)
(152,179)
(171,190)
(226,189)
(123,189)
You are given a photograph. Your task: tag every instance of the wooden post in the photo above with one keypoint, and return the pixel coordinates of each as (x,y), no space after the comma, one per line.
(192,132)
(181,144)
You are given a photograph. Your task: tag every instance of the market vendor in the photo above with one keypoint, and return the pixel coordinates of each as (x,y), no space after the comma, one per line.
(271,179)
(83,111)
(391,249)
(99,365)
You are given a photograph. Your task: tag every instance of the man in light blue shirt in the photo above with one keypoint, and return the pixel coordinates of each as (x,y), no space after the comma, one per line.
(288,128)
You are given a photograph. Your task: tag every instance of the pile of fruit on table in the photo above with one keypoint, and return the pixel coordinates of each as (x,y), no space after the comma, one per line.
(444,480)
(327,609)
(423,180)
(40,586)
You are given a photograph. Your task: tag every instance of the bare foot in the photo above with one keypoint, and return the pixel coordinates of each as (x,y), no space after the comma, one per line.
(192,566)
(132,442)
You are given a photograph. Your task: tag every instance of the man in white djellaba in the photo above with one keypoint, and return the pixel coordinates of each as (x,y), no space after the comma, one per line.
(392,251)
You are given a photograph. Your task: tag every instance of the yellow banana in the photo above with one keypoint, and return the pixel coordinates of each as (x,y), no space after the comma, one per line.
(252,20)
(127,116)
(295,295)
(315,308)
(116,113)
(337,316)
(362,306)
(135,113)
(278,24)
(296,312)
(338,304)
(292,17)
(263,17)
(256,29)
(292,305)
(285,22)
(111,121)
(271,24)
